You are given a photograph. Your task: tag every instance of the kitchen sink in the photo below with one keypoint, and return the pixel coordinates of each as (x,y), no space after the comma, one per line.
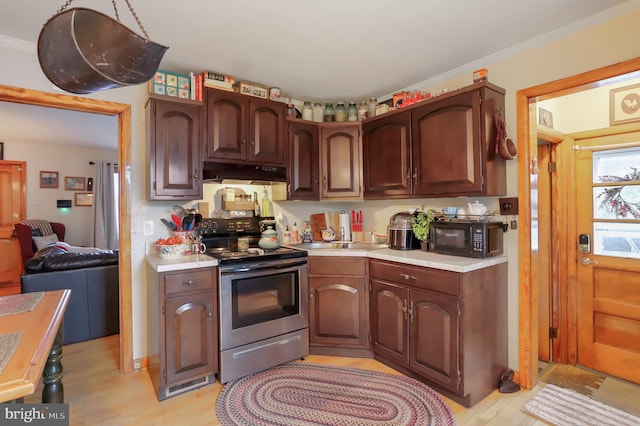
(339,245)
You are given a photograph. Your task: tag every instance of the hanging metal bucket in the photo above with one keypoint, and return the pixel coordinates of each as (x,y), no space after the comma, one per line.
(84,51)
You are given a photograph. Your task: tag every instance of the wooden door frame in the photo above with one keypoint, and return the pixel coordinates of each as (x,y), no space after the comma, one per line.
(123,112)
(565,202)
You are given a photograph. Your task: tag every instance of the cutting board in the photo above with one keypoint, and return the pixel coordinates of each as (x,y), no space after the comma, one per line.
(317,225)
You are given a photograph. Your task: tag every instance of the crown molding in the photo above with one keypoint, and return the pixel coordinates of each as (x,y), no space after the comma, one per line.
(16,44)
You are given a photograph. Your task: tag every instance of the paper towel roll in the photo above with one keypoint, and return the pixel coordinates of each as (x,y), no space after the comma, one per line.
(344,223)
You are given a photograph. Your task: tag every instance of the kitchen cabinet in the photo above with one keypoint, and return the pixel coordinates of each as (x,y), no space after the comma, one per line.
(338,306)
(304,166)
(445,147)
(182,338)
(174,139)
(387,156)
(244,129)
(340,161)
(445,328)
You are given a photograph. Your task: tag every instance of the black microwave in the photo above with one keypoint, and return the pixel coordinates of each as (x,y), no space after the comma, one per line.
(466,238)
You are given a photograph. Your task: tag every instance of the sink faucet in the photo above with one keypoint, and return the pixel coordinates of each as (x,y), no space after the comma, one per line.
(342,233)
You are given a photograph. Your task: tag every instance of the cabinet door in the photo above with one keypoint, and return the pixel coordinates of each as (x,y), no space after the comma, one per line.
(338,314)
(389,321)
(386,145)
(267,140)
(446,138)
(434,340)
(191,337)
(175,162)
(341,162)
(226,126)
(303,162)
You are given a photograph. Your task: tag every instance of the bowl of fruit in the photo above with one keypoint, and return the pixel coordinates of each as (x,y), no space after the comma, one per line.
(172,247)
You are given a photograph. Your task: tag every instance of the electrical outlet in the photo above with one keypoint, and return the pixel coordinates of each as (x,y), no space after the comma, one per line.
(514,224)
(508,206)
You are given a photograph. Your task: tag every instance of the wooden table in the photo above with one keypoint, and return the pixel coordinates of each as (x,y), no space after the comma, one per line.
(39,350)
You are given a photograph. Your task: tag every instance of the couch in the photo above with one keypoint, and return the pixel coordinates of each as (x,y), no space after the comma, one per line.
(94,307)
(25,231)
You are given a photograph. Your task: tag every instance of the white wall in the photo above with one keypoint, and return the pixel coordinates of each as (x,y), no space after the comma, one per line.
(594,47)
(67,161)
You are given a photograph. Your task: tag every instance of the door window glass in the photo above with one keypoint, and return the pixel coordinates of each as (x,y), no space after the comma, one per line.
(616,203)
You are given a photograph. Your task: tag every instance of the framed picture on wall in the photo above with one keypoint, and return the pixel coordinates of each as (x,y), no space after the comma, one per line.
(48,179)
(624,105)
(84,199)
(1,150)
(72,183)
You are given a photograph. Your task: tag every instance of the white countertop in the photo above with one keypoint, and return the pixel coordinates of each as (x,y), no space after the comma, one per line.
(410,257)
(185,262)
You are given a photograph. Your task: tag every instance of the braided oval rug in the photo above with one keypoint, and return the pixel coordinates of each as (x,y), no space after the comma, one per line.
(300,394)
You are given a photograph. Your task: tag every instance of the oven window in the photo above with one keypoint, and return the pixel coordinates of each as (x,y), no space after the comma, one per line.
(264,298)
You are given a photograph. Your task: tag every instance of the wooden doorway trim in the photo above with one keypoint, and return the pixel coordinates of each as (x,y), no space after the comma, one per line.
(123,112)
(527,274)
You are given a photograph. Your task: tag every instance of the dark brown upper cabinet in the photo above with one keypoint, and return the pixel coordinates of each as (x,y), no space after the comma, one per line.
(438,148)
(244,129)
(304,167)
(174,136)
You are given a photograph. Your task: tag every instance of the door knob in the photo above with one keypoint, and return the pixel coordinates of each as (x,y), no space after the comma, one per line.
(586,261)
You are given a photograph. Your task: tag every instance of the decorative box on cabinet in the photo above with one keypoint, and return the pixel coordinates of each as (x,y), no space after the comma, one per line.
(340,161)
(445,146)
(243,128)
(445,328)
(173,147)
(338,306)
(182,339)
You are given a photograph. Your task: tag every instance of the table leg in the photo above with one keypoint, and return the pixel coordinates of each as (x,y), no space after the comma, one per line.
(53,391)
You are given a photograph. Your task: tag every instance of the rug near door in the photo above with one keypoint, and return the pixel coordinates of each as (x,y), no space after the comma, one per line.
(564,407)
(298,394)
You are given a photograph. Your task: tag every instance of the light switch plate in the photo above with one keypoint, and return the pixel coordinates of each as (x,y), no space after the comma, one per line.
(148,228)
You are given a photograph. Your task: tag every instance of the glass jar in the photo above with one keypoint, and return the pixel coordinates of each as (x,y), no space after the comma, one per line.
(291,109)
(341,112)
(352,112)
(372,104)
(329,114)
(317,112)
(363,111)
(307,111)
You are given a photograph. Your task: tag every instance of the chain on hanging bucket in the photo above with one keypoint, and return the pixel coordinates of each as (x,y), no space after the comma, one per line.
(82,51)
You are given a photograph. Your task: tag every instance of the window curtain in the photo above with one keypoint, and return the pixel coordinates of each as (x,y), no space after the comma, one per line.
(105,232)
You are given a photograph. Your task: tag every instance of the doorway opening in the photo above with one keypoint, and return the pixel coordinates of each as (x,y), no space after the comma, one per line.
(561,272)
(123,113)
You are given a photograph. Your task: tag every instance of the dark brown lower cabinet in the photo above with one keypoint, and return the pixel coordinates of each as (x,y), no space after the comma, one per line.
(338,306)
(444,328)
(182,338)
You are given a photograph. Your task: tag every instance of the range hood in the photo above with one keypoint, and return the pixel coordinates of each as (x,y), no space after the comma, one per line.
(244,173)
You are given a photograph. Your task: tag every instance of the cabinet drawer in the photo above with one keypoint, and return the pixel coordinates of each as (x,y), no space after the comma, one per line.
(337,266)
(426,278)
(188,281)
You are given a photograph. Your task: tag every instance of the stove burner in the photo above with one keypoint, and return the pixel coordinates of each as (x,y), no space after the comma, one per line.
(254,255)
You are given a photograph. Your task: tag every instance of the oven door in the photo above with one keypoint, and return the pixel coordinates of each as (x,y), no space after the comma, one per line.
(262,301)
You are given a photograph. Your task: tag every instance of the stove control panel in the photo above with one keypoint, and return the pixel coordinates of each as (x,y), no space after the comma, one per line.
(229,226)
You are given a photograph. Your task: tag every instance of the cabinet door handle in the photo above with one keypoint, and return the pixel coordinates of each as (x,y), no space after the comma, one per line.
(210,312)
(408,277)
(190,282)
(415,174)
(408,173)
(252,143)
(404,308)
(324,181)
(411,311)
(243,142)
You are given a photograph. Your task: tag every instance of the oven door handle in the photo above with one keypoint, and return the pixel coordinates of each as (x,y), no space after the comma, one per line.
(259,266)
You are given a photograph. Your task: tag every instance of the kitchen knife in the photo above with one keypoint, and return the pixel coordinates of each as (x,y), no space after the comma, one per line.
(169,225)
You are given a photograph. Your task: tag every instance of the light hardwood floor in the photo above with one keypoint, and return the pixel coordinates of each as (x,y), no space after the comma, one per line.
(99,395)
